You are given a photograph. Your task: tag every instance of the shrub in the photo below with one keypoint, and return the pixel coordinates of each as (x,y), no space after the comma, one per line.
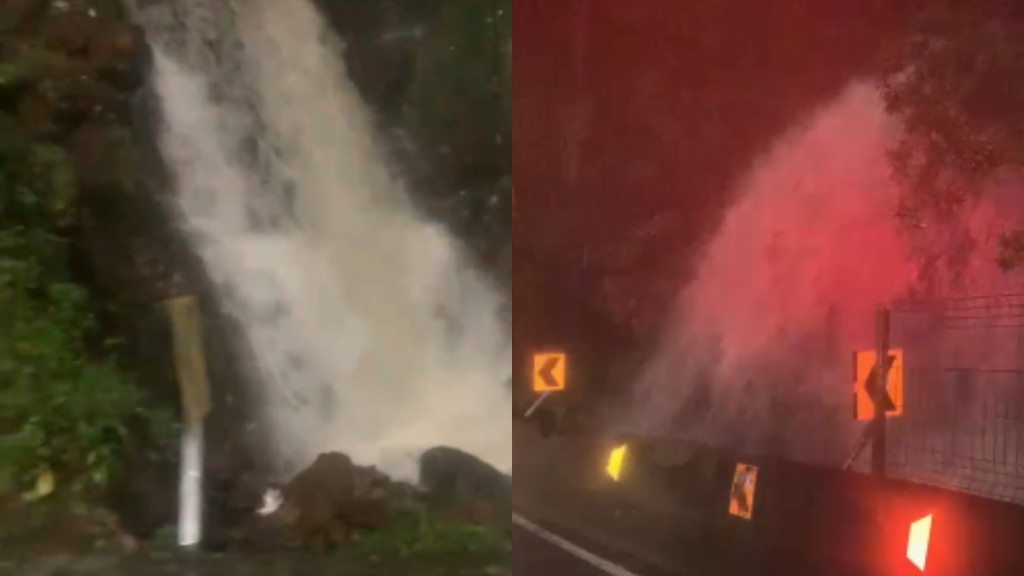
(63,406)
(429,538)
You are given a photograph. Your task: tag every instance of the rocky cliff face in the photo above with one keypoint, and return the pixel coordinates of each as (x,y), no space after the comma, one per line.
(435,72)
(73,93)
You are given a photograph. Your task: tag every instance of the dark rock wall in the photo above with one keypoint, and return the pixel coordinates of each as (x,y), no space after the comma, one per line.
(73,73)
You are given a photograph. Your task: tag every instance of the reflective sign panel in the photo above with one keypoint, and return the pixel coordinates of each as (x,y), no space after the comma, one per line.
(741,497)
(865,370)
(615,462)
(917,542)
(549,372)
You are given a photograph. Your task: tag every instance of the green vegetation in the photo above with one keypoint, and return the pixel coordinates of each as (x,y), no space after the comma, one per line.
(438,70)
(427,539)
(64,403)
(457,102)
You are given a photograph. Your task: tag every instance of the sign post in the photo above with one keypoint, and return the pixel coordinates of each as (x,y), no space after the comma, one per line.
(880,397)
(536,404)
(190,364)
(878,391)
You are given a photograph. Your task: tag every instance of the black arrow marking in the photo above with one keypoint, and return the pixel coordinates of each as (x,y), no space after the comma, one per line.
(871,386)
(739,492)
(545,372)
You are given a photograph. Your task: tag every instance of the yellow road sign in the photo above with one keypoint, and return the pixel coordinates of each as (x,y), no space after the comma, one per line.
(189,359)
(549,372)
(741,497)
(865,366)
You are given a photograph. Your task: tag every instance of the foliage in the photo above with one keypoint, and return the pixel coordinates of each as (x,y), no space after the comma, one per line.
(958,85)
(456,103)
(427,537)
(457,97)
(63,406)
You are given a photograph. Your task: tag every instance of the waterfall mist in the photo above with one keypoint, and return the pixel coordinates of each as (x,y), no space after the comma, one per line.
(371,332)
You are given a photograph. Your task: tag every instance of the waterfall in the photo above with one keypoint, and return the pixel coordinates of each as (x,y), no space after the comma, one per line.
(371,332)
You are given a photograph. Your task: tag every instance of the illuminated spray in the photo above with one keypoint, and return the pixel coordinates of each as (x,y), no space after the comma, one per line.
(758,357)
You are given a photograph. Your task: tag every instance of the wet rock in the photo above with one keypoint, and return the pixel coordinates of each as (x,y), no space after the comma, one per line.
(115,51)
(62,103)
(324,504)
(15,14)
(466,487)
(30,64)
(320,489)
(101,156)
(119,55)
(70,33)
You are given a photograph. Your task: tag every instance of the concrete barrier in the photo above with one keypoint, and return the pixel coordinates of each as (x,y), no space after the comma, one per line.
(671,509)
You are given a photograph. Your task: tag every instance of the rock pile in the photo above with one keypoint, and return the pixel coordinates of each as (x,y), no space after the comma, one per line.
(330,501)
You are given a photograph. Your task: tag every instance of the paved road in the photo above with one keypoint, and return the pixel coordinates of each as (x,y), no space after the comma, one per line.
(537,551)
(210,565)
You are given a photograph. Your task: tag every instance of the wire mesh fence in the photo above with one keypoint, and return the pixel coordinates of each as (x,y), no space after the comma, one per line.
(963,421)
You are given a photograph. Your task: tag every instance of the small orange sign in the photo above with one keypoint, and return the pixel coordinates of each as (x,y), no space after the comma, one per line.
(865,382)
(549,372)
(741,497)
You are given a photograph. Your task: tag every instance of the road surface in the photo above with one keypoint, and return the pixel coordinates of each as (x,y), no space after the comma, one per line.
(538,551)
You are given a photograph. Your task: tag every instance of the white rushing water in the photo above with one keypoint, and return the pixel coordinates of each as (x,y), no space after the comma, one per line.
(371,333)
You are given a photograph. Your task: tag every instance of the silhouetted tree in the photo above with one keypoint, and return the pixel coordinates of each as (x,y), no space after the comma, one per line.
(957,82)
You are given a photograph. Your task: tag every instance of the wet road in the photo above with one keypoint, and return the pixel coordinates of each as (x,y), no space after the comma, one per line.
(207,565)
(540,552)
(536,551)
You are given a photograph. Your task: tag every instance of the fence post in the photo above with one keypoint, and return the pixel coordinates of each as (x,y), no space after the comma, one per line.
(883,331)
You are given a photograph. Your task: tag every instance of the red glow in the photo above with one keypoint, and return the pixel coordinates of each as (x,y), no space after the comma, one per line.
(789,284)
(917,542)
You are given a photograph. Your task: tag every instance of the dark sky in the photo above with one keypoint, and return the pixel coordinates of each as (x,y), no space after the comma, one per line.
(622,110)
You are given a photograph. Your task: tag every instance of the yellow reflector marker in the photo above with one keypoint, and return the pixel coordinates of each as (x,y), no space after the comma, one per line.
(615,461)
(917,543)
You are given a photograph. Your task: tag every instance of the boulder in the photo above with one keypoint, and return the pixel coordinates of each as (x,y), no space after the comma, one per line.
(319,490)
(323,504)
(464,487)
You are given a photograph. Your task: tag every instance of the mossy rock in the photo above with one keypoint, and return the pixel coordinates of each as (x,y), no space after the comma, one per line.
(12,139)
(15,14)
(54,176)
(44,190)
(104,157)
(30,64)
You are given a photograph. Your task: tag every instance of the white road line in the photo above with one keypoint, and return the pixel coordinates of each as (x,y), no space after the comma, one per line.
(588,557)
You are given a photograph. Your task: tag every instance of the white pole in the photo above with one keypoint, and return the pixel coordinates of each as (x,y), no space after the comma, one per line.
(190,496)
(540,400)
